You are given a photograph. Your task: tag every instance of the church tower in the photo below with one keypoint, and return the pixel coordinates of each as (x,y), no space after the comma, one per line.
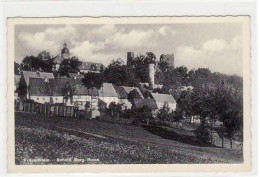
(65,53)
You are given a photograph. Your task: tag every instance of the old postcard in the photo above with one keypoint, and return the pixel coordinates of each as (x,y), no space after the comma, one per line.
(129,94)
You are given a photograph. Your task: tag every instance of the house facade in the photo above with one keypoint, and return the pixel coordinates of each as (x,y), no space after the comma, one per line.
(122,97)
(26,75)
(44,91)
(108,94)
(83,98)
(87,67)
(162,99)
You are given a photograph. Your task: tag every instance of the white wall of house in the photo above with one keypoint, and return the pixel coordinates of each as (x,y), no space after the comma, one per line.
(127,104)
(47,99)
(81,100)
(87,71)
(109,100)
(172,106)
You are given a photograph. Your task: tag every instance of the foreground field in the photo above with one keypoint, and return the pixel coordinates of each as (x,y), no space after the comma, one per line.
(41,139)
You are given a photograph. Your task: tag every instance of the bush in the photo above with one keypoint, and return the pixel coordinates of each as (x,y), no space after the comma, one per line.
(203,135)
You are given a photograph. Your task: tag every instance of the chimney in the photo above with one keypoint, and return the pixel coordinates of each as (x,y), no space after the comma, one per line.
(151,75)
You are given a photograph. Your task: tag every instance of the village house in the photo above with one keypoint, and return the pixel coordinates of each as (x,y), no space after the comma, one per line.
(83,98)
(129,89)
(26,75)
(122,97)
(162,99)
(45,90)
(87,67)
(108,94)
(149,103)
(52,91)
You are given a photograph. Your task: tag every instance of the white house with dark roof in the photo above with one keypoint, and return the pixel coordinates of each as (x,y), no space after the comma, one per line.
(162,99)
(44,91)
(108,94)
(87,67)
(51,91)
(26,75)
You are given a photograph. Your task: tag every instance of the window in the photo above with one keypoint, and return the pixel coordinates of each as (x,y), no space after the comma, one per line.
(37,98)
(43,98)
(56,99)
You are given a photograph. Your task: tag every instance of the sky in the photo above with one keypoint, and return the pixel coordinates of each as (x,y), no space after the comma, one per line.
(217,46)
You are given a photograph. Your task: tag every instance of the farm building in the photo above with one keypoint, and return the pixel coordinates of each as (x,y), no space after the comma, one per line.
(162,99)
(86,67)
(26,75)
(83,98)
(122,97)
(44,90)
(108,94)
(149,103)
(129,89)
(63,90)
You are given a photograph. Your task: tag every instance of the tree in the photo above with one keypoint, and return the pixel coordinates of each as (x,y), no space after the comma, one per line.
(115,109)
(44,55)
(120,74)
(91,81)
(140,66)
(74,64)
(70,65)
(31,63)
(68,91)
(231,113)
(47,61)
(202,133)
(143,114)
(174,78)
(132,95)
(164,113)
(185,104)
(16,68)
(22,88)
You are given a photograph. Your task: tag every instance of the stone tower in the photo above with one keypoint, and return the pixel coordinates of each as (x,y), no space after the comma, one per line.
(169,58)
(130,57)
(151,75)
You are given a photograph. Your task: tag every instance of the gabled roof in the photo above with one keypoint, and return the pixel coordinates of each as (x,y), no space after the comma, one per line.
(91,66)
(162,98)
(129,89)
(54,87)
(39,88)
(121,92)
(150,103)
(82,90)
(28,74)
(107,90)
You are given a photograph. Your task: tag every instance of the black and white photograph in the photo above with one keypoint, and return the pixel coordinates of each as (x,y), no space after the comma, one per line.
(118,92)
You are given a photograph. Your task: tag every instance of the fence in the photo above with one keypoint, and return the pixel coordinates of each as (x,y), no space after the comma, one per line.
(49,109)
